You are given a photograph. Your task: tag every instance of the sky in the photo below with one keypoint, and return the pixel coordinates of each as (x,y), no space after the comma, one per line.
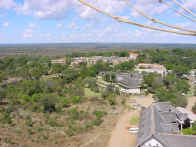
(54,21)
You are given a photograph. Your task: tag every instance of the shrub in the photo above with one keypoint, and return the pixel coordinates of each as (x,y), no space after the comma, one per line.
(180,101)
(123,101)
(194,108)
(134,120)
(76,99)
(75,114)
(188,131)
(2,93)
(28,121)
(65,102)
(172,96)
(99,114)
(97,122)
(49,103)
(25,98)
(105,94)
(195,91)
(53,123)
(6,118)
(112,101)
(36,97)
(73,129)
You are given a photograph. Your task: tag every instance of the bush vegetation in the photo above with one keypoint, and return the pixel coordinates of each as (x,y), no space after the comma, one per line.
(65,96)
(194,108)
(190,131)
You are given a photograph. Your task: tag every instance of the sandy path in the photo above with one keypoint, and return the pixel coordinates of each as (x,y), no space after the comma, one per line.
(120,136)
(191,102)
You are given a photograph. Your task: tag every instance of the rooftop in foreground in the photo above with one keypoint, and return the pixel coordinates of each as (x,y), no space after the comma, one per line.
(160,127)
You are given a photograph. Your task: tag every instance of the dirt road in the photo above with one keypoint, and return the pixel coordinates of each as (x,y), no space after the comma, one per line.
(191,102)
(120,136)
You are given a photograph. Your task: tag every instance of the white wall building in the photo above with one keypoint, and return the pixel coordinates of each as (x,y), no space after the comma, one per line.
(59,61)
(151,68)
(131,91)
(133,56)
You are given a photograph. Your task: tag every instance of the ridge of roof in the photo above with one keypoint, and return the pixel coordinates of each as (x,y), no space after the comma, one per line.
(151,130)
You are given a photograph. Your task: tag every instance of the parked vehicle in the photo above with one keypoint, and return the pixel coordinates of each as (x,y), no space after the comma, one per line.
(133,130)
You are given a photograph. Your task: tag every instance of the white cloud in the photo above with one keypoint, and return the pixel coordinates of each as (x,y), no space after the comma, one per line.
(59,25)
(46,9)
(28,30)
(111,6)
(45,35)
(5,24)
(7,4)
(138,33)
(32,25)
(108,30)
(58,9)
(191,4)
(28,33)
(150,7)
(71,25)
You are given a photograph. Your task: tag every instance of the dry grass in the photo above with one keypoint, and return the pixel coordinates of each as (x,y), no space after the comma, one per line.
(49,130)
(90,93)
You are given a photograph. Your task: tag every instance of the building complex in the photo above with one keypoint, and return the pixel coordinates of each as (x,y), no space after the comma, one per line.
(151,68)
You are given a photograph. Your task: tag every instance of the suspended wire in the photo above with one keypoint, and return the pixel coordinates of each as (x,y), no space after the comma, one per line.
(177,11)
(186,9)
(119,19)
(156,20)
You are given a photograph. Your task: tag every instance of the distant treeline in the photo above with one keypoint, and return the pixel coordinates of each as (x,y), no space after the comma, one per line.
(69,48)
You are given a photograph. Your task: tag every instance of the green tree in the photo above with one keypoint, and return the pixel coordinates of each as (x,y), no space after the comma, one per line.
(152,81)
(31,87)
(69,75)
(124,54)
(183,86)
(2,93)
(125,66)
(195,91)
(174,97)
(1,76)
(57,68)
(194,108)
(49,102)
(68,60)
(107,77)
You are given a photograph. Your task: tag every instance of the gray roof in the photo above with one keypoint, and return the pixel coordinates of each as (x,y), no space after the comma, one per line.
(159,121)
(179,140)
(129,80)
